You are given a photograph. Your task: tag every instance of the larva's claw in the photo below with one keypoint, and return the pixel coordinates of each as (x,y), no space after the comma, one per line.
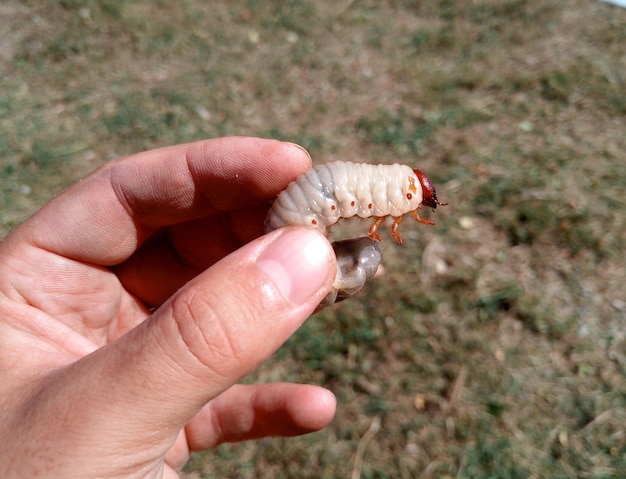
(375,236)
(394,230)
(373,231)
(422,220)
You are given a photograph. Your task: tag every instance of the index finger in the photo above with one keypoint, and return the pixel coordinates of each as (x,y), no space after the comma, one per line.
(103,218)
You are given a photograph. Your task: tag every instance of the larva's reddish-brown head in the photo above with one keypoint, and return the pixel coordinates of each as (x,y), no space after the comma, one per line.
(429,195)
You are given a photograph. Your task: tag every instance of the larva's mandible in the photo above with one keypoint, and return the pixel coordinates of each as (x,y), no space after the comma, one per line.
(323,195)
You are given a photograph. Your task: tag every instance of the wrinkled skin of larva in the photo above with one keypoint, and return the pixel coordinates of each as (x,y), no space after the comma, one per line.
(357,261)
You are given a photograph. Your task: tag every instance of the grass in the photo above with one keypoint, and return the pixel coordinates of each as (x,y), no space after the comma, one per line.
(492,346)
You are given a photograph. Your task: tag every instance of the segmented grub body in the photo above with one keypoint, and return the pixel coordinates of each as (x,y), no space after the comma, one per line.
(326,193)
(323,195)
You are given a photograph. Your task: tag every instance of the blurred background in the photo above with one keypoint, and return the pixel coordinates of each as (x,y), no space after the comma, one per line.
(490,346)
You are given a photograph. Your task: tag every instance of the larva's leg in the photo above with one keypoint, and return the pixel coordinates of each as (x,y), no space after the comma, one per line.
(373,231)
(394,229)
(422,220)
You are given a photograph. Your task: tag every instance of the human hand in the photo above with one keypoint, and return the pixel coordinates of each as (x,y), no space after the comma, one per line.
(132,303)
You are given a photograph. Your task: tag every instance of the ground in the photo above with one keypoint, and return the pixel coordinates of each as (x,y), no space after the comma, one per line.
(492,345)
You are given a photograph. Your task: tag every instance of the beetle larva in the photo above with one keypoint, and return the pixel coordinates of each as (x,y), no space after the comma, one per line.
(323,195)
(326,193)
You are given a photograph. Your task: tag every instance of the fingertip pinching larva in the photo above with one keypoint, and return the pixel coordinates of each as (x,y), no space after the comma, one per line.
(323,195)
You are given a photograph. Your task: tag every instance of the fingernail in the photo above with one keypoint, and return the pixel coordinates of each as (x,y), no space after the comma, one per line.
(299,147)
(297,262)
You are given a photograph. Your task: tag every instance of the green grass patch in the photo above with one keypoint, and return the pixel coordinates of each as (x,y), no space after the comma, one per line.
(491,345)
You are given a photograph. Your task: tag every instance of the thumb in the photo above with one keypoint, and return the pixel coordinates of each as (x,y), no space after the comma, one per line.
(145,386)
(227,321)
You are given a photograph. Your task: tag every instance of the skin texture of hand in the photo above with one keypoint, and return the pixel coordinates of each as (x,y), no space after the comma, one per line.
(133,303)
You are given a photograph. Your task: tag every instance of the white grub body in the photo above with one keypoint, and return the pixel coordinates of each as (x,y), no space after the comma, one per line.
(326,193)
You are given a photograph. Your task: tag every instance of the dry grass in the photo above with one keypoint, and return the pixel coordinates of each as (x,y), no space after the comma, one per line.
(494,344)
